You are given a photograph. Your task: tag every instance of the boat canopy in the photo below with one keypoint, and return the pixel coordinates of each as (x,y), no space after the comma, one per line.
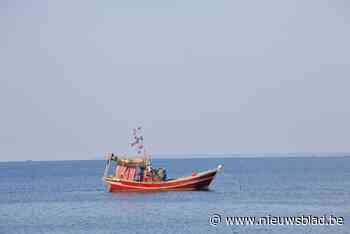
(137,162)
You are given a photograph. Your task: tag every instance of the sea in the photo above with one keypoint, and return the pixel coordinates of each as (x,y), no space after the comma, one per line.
(69,197)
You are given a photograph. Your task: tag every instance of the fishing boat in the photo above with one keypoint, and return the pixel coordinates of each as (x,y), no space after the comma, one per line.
(136,174)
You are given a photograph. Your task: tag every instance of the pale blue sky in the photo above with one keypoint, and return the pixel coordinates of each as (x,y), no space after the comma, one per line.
(199,76)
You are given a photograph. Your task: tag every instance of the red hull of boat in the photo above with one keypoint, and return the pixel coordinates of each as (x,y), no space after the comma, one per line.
(200,181)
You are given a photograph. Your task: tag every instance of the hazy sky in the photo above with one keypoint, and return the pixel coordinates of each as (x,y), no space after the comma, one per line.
(199,76)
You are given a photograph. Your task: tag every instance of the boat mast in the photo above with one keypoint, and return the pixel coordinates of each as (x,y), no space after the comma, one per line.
(138,145)
(108,164)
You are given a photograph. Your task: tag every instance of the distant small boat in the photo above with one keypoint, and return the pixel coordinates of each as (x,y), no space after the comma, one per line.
(138,175)
(126,179)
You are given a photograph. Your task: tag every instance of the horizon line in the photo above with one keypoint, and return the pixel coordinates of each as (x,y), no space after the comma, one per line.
(207,156)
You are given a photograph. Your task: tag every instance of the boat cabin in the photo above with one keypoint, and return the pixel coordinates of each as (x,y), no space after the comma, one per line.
(136,169)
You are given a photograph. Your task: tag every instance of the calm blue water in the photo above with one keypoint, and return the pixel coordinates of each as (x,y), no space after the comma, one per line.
(68,197)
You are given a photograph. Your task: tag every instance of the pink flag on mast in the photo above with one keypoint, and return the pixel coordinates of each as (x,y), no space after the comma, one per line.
(137,142)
